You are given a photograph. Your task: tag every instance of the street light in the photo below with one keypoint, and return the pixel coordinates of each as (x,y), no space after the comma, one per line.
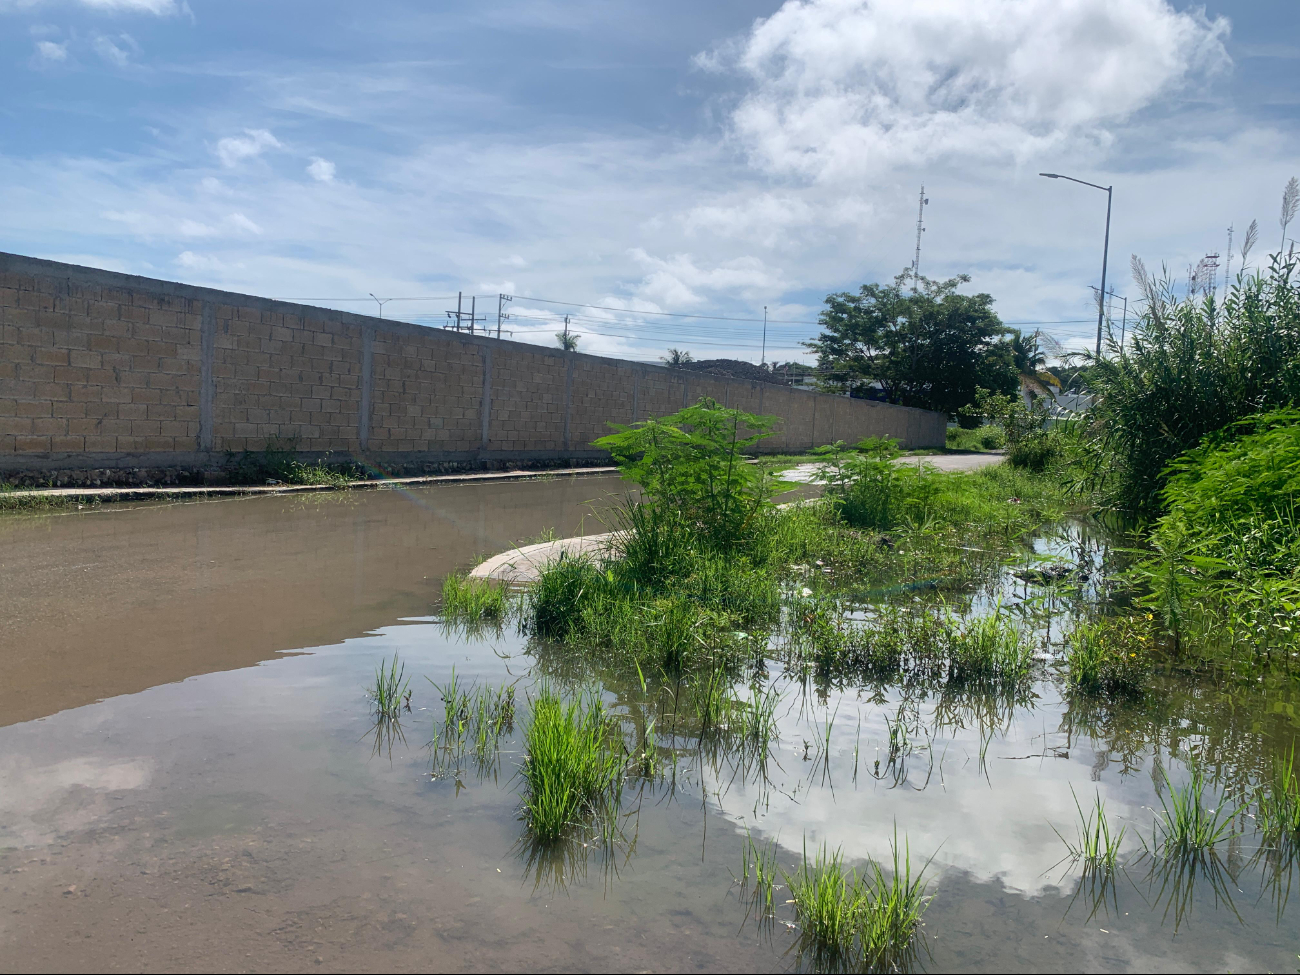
(1105,250)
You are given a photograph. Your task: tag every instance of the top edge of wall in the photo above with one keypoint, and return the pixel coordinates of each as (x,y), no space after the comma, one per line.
(82,275)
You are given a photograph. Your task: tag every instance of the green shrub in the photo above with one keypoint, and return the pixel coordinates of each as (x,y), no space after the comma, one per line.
(693,464)
(1238,491)
(1192,366)
(1111,656)
(988,436)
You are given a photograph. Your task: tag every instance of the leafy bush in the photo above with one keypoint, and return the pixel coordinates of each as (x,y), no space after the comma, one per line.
(1193,366)
(693,464)
(1111,656)
(986,436)
(862,483)
(1242,493)
(1033,441)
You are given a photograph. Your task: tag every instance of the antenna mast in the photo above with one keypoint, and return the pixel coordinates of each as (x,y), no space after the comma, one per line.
(920,229)
(1227,269)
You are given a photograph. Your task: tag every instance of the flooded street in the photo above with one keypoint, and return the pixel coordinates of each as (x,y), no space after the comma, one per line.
(190,777)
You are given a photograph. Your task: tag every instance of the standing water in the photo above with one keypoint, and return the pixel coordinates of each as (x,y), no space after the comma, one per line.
(191,776)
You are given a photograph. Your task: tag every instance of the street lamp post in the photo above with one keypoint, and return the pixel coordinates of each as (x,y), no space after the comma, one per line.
(1105,249)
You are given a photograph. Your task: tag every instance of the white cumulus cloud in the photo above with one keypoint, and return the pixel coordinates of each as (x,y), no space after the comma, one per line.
(234,149)
(50,51)
(839,88)
(675,282)
(321,169)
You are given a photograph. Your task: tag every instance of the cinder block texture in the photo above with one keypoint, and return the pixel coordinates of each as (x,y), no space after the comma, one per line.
(100,369)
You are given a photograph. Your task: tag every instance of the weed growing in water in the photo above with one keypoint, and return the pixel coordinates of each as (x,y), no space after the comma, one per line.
(854,923)
(1279,801)
(470,600)
(1094,846)
(574,762)
(989,650)
(1110,656)
(475,719)
(1186,826)
(758,876)
(391,690)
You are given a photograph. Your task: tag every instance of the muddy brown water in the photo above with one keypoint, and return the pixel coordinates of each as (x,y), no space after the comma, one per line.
(188,780)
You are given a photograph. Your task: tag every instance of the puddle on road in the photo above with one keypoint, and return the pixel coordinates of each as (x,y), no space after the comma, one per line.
(223,807)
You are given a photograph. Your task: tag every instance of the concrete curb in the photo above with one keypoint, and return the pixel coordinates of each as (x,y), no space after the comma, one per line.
(156,493)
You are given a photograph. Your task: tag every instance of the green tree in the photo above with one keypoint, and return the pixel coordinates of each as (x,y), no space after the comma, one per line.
(930,348)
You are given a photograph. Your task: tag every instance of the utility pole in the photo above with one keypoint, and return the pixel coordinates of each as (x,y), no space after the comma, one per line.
(763,360)
(1123,327)
(920,229)
(460,317)
(1105,247)
(501,315)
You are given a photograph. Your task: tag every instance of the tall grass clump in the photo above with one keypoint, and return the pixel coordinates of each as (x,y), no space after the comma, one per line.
(1192,366)
(390,691)
(989,649)
(1110,656)
(1279,800)
(573,765)
(1186,825)
(857,922)
(468,600)
(1094,844)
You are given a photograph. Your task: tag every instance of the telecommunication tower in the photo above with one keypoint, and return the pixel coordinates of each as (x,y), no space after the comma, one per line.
(920,229)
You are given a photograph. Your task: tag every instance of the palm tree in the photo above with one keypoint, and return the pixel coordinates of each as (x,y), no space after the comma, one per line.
(676,358)
(1028,352)
(568,341)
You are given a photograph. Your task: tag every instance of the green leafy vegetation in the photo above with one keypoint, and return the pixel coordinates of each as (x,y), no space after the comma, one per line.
(1094,844)
(1186,825)
(987,436)
(1193,366)
(391,689)
(1111,656)
(919,342)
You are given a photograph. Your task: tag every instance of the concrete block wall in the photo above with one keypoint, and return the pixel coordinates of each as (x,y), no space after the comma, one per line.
(107,370)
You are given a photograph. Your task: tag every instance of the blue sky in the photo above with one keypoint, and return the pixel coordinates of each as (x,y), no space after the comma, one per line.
(699,159)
